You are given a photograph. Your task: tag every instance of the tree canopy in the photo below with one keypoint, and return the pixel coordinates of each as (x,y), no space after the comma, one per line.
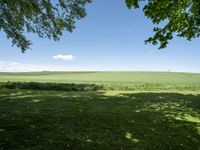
(49,18)
(180,17)
(46,18)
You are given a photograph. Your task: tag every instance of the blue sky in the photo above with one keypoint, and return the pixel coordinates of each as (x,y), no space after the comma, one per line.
(111,37)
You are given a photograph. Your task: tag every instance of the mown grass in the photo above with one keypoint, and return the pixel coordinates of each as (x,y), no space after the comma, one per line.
(35,119)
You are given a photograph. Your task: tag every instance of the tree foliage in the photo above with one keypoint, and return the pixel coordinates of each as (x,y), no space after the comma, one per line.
(180,17)
(49,18)
(45,17)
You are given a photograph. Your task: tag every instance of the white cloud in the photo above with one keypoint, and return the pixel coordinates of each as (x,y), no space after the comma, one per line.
(21,67)
(64,57)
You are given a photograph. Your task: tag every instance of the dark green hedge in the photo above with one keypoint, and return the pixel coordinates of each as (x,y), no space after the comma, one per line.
(51,86)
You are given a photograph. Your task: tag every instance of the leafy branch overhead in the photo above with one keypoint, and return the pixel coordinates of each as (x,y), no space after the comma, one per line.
(181,17)
(47,19)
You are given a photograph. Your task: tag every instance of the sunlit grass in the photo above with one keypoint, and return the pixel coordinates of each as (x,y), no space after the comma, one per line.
(100,110)
(147,81)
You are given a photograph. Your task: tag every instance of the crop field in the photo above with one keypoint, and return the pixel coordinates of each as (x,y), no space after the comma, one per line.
(100,110)
(114,80)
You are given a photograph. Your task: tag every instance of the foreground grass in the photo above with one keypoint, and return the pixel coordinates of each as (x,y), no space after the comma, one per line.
(33,119)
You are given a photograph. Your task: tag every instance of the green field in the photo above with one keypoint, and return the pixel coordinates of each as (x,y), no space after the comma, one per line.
(114,80)
(102,110)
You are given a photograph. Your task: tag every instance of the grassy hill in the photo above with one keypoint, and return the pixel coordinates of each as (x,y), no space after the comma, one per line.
(113,80)
(100,110)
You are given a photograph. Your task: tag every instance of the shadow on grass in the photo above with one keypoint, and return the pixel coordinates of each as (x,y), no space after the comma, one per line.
(97,120)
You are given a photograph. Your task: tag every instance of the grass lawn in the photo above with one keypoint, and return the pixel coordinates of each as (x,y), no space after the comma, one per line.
(34,119)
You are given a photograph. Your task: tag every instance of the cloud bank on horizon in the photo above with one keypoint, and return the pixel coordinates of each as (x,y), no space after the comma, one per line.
(6,66)
(21,67)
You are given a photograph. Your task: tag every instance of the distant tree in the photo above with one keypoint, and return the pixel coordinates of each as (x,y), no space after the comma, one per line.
(180,17)
(47,18)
